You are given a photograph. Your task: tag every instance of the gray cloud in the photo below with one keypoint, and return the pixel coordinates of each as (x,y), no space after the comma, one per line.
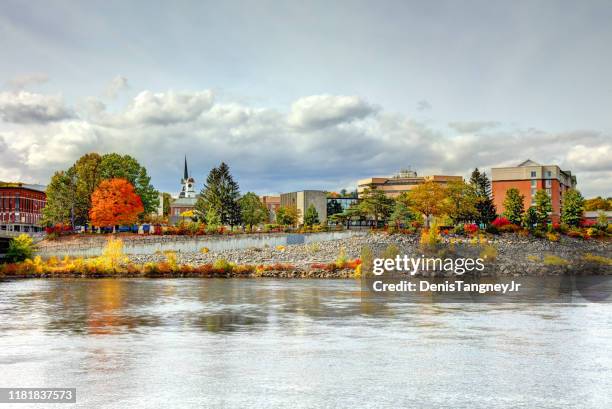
(473,126)
(29,108)
(423,105)
(321,111)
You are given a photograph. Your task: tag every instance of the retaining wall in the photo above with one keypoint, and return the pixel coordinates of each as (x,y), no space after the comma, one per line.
(91,247)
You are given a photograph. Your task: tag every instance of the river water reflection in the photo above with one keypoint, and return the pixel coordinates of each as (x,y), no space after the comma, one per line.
(303,344)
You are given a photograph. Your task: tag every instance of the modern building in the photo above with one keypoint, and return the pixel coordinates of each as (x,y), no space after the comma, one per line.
(529,177)
(21,207)
(404,181)
(187,197)
(339,204)
(303,199)
(272,203)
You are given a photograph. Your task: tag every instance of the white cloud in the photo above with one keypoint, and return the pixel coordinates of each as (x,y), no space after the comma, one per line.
(117,84)
(30,108)
(22,81)
(320,111)
(473,126)
(321,143)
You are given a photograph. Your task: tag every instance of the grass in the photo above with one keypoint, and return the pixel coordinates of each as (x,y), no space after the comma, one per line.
(552,260)
(598,259)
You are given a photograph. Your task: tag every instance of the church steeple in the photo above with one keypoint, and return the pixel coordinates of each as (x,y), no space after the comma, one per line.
(186,174)
(188,184)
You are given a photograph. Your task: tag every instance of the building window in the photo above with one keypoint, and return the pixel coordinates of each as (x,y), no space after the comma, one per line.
(533,173)
(548,192)
(547,183)
(548,174)
(534,183)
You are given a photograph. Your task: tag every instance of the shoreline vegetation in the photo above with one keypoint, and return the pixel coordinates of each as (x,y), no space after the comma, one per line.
(510,253)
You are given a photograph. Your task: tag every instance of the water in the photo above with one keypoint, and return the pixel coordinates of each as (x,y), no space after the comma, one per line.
(300,344)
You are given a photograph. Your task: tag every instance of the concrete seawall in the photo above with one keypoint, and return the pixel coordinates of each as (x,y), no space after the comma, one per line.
(91,247)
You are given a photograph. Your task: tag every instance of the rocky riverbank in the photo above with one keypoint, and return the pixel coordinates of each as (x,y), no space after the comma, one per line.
(508,254)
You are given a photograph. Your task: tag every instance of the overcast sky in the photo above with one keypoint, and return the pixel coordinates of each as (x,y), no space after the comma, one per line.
(307,95)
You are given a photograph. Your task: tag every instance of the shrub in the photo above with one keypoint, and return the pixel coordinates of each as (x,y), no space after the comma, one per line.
(341,260)
(552,260)
(313,247)
(430,237)
(20,248)
(552,236)
(222,266)
(470,228)
(492,229)
(458,229)
(509,228)
(598,259)
(500,221)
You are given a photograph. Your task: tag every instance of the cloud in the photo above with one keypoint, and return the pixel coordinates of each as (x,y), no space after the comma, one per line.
(321,111)
(423,105)
(473,126)
(323,142)
(29,108)
(117,84)
(22,81)
(164,108)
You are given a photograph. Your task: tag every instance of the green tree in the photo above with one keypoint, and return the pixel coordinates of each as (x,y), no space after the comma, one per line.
(572,208)
(220,195)
(287,215)
(333,207)
(113,166)
(20,248)
(311,216)
(530,218)
(375,203)
(60,199)
(485,208)
(252,210)
(460,201)
(514,205)
(86,173)
(543,207)
(481,183)
(402,214)
(212,218)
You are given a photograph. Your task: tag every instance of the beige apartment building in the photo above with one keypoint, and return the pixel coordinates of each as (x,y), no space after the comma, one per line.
(404,181)
(303,199)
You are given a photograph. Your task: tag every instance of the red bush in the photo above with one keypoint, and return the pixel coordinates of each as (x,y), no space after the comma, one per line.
(500,221)
(470,228)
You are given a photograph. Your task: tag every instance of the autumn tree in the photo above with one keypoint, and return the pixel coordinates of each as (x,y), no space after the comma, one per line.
(514,206)
(460,201)
(428,199)
(115,202)
(287,215)
(253,211)
(60,199)
(573,208)
(598,203)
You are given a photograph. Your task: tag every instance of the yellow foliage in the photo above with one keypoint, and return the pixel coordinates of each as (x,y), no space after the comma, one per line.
(552,236)
(357,272)
(280,248)
(552,260)
(598,259)
(341,260)
(204,250)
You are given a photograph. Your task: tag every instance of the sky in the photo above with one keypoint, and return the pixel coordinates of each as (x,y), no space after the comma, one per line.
(307,94)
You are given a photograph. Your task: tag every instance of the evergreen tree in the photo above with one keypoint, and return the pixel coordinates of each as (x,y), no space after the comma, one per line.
(573,208)
(333,207)
(485,207)
(311,216)
(376,204)
(514,205)
(220,195)
(402,215)
(543,207)
(481,183)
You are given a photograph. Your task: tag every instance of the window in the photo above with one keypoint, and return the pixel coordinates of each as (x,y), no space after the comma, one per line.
(547,183)
(548,174)
(548,192)
(534,183)
(533,173)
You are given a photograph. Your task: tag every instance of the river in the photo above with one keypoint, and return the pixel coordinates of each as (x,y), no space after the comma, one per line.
(197,343)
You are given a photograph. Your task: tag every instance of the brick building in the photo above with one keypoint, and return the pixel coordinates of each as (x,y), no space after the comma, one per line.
(529,177)
(21,207)
(272,203)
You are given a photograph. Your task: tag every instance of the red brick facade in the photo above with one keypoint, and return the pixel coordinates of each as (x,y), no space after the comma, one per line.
(20,207)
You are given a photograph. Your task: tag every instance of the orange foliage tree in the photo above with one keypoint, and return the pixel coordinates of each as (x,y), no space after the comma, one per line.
(114,202)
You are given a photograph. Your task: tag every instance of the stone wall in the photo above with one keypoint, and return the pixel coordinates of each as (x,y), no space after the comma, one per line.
(91,246)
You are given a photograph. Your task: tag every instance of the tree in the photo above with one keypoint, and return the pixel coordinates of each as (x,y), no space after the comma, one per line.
(598,203)
(375,203)
(86,174)
(530,218)
(115,202)
(287,215)
(333,207)
(401,214)
(167,202)
(481,183)
(427,199)
(572,208)
(20,248)
(115,166)
(460,202)
(311,216)
(252,210)
(485,208)
(543,207)
(60,199)
(220,195)
(514,205)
